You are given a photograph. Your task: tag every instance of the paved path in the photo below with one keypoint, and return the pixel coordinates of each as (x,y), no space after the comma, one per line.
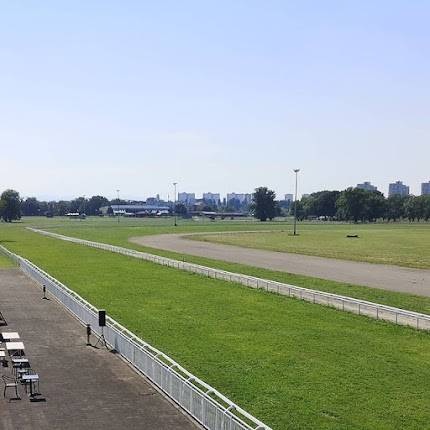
(395,278)
(84,387)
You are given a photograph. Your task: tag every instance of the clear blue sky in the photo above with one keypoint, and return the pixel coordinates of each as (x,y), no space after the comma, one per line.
(217,95)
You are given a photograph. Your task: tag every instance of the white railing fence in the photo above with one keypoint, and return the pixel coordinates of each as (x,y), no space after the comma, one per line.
(204,403)
(348,304)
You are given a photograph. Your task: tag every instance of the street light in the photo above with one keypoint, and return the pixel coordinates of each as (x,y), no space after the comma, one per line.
(174,204)
(295,204)
(117,204)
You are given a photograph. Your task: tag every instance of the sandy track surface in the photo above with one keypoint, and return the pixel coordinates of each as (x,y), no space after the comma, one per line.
(395,278)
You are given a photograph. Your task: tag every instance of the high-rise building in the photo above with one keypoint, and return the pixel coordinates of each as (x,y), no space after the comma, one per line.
(212,198)
(289,197)
(425,188)
(367,186)
(243,199)
(398,188)
(187,199)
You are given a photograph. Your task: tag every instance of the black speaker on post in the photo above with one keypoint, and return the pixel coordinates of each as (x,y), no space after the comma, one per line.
(102,318)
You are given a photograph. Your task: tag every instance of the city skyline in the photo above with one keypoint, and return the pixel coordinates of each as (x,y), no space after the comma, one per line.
(191,196)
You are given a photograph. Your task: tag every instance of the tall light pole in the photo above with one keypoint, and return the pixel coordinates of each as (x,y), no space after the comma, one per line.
(174,204)
(117,204)
(295,205)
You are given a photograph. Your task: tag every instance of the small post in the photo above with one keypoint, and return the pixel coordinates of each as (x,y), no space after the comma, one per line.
(44,292)
(88,334)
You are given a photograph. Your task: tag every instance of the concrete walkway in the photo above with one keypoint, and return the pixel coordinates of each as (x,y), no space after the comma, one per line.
(84,387)
(395,278)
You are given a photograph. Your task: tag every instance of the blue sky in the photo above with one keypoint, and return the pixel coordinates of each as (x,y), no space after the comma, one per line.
(218,96)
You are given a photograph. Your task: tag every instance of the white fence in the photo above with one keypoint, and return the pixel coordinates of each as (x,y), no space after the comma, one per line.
(348,304)
(203,402)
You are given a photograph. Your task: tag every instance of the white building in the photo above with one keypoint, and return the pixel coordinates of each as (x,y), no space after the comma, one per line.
(187,199)
(398,188)
(289,197)
(244,199)
(425,188)
(212,198)
(367,186)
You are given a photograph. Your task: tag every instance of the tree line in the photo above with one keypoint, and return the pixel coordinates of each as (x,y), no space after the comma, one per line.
(352,204)
(12,207)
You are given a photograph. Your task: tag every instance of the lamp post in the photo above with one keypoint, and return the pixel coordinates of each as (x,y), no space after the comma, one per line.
(295,205)
(174,203)
(117,204)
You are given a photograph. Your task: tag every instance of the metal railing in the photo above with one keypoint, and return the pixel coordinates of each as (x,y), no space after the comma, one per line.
(348,304)
(204,403)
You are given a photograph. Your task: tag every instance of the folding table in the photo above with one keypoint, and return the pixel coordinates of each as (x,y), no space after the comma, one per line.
(10,336)
(14,347)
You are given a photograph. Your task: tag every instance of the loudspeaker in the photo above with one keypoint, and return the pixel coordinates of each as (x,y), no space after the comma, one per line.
(102,318)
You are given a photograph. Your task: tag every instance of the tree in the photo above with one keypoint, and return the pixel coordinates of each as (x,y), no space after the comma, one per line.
(78,205)
(351,204)
(30,207)
(11,206)
(322,203)
(355,204)
(2,206)
(62,208)
(414,208)
(264,204)
(375,206)
(95,203)
(395,207)
(426,206)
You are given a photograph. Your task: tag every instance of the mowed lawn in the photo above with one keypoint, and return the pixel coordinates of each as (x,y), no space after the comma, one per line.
(5,262)
(399,244)
(108,230)
(293,364)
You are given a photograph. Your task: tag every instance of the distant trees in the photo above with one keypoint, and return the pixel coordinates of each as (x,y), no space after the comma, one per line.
(95,203)
(263,204)
(10,206)
(322,203)
(356,205)
(30,207)
(62,208)
(417,208)
(352,204)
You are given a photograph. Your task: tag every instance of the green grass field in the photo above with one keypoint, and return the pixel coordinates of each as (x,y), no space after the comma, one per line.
(399,244)
(109,231)
(5,262)
(291,363)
